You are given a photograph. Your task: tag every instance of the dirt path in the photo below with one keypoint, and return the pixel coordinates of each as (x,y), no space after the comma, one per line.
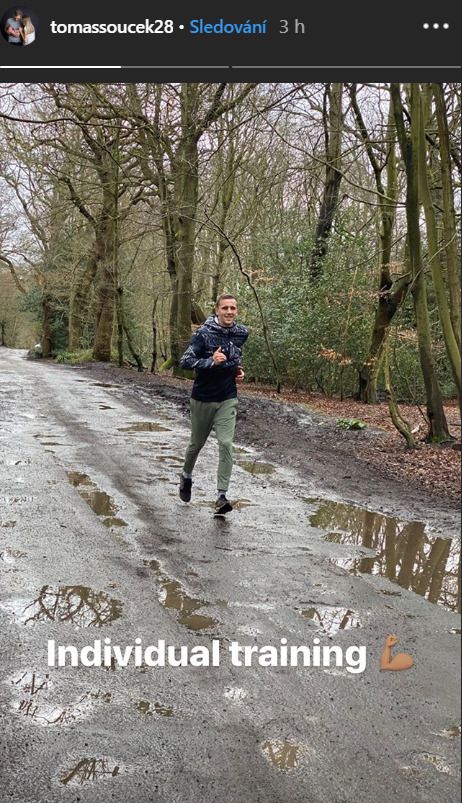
(96,547)
(367,467)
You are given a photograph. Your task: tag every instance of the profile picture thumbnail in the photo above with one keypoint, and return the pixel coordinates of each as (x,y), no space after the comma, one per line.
(19,26)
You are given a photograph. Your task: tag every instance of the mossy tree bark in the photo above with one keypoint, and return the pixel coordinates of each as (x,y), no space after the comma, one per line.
(450,340)
(449,216)
(409,143)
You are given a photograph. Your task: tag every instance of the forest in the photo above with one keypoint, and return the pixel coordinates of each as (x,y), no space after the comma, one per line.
(332,211)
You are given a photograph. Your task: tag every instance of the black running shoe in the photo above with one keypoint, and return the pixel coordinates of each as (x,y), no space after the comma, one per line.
(185,488)
(222,506)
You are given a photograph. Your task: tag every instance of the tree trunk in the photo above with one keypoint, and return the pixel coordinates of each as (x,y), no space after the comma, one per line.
(106,287)
(399,422)
(409,145)
(78,305)
(449,217)
(450,340)
(47,316)
(154,337)
(329,203)
(120,328)
(389,298)
(186,191)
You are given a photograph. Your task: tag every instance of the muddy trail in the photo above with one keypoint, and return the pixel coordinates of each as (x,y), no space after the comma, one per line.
(333,461)
(233,659)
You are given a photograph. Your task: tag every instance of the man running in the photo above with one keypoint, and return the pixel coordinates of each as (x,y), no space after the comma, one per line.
(215,354)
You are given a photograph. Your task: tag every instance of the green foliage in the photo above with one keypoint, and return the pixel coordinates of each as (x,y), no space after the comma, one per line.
(319,330)
(351,423)
(32,302)
(74,357)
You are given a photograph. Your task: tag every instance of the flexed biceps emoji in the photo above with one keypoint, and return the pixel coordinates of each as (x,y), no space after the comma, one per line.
(396,662)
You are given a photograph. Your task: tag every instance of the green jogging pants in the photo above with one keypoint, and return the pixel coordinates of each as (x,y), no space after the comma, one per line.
(220,416)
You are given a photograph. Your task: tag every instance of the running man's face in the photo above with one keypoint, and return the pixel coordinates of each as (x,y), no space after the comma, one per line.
(226,311)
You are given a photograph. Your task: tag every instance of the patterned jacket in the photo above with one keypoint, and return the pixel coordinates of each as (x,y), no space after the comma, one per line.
(215,383)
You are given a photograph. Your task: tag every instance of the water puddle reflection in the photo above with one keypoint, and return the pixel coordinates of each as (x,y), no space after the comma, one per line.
(92,769)
(256,466)
(235,694)
(34,704)
(282,755)
(173,596)
(11,555)
(79,605)
(240,504)
(145,707)
(99,501)
(144,426)
(405,552)
(330,620)
(451,733)
(439,763)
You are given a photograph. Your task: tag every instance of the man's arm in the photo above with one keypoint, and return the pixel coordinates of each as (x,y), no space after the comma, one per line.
(192,357)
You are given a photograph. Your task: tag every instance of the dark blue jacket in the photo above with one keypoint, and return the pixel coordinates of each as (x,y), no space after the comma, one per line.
(215,383)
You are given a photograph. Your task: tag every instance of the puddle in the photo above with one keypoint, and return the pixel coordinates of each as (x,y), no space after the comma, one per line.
(239,504)
(99,501)
(113,521)
(404,552)
(153,564)
(147,708)
(34,705)
(256,467)
(451,733)
(47,714)
(439,763)
(282,755)
(76,478)
(234,694)
(173,596)
(30,683)
(330,620)
(91,769)
(144,426)
(11,555)
(79,605)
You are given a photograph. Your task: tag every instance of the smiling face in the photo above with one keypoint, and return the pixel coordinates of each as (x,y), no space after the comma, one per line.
(226,311)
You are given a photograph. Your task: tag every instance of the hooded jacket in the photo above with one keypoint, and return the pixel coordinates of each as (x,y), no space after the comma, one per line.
(215,383)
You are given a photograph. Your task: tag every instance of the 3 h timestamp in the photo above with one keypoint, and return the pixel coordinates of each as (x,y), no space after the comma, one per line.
(291,26)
